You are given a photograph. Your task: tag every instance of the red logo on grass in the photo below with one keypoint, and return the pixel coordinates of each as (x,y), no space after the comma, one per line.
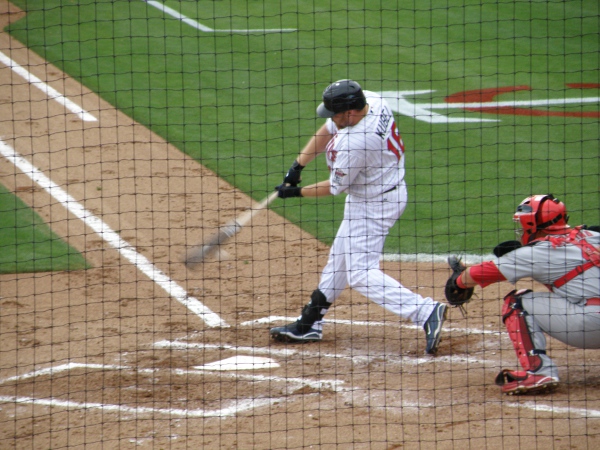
(489,96)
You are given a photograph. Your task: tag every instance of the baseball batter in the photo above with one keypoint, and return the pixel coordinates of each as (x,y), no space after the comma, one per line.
(365,156)
(567,261)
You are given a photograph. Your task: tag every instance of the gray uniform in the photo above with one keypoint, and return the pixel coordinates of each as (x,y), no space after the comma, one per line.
(561,313)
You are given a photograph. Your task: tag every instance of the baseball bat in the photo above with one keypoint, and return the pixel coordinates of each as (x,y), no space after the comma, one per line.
(197,254)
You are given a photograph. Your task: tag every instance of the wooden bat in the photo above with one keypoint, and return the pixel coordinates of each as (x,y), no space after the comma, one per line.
(198,253)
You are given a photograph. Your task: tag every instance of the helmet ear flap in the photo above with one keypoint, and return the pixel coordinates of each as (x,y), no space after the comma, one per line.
(525,216)
(552,215)
(528,231)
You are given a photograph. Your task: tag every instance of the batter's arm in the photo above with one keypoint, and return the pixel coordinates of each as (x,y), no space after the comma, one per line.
(315,146)
(320,189)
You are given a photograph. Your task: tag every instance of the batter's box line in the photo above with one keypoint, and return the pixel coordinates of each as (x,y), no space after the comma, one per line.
(364,323)
(356,359)
(534,406)
(316,384)
(237,405)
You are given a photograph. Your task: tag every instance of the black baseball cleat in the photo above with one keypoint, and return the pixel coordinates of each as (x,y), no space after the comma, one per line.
(294,333)
(433,328)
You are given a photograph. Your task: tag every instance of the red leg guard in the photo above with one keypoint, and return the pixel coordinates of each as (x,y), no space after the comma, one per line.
(513,317)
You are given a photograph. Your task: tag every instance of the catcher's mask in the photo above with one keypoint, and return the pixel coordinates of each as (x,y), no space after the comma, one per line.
(540,212)
(341,96)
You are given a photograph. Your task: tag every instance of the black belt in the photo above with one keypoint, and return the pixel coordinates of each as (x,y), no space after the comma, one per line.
(390,189)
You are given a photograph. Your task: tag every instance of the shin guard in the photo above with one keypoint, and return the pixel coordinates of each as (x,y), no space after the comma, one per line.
(513,317)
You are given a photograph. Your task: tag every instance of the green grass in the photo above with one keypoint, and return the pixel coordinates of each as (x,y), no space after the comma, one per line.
(27,244)
(243,105)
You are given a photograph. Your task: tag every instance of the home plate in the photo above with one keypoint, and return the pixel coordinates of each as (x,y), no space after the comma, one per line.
(240,363)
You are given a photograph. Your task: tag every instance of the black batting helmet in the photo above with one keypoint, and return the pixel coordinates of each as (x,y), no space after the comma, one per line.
(343,95)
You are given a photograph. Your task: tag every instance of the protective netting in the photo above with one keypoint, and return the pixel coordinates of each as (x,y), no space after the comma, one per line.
(137,134)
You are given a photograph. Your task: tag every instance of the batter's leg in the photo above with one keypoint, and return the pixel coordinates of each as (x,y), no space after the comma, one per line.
(334,277)
(369,225)
(307,328)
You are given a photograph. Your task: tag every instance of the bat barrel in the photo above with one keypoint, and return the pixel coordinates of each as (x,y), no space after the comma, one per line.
(198,254)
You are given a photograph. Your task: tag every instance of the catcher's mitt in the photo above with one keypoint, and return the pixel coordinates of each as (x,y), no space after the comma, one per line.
(455,295)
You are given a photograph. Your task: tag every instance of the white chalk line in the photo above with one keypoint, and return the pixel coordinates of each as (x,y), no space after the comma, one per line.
(198,26)
(305,354)
(408,326)
(61,368)
(401,360)
(112,238)
(566,410)
(52,93)
(55,370)
(440,258)
(237,405)
(244,405)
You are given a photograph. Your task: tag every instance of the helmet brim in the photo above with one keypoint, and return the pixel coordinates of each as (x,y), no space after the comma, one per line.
(324,112)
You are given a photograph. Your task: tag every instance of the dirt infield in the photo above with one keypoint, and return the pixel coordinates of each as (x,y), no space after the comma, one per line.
(110,358)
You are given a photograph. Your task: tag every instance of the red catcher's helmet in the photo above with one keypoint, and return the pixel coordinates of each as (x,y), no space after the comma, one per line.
(541,212)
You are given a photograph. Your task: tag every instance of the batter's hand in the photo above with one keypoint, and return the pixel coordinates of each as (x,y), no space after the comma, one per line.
(293,177)
(287,191)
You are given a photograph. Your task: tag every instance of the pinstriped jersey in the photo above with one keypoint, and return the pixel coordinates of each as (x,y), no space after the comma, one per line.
(366,159)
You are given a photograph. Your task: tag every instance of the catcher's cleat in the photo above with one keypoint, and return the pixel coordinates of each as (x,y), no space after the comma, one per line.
(433,328)
(515,382)
(293,333)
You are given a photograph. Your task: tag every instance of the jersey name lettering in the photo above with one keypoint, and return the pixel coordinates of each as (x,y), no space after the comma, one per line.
(382,126)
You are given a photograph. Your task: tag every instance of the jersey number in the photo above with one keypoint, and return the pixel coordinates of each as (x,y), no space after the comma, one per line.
(395,143)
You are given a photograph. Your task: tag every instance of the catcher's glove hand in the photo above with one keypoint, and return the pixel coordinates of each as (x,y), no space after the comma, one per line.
(456,295)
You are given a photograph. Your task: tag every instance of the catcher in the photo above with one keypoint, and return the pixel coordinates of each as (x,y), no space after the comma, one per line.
(564,259)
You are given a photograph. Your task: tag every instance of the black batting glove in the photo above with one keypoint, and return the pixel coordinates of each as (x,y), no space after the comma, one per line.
(293,176)
(287,191)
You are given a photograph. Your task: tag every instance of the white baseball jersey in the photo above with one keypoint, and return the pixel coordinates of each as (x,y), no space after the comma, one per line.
(367,159)
(367,162)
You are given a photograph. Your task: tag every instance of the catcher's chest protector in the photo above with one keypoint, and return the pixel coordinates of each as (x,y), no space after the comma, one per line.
(590,253)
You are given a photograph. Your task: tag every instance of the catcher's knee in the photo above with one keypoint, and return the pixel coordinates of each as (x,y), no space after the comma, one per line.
(513,317)
(513,303)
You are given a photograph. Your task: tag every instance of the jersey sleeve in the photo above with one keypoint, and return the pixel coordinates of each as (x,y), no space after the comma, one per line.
(349,161)
(486,273)
(342,173)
